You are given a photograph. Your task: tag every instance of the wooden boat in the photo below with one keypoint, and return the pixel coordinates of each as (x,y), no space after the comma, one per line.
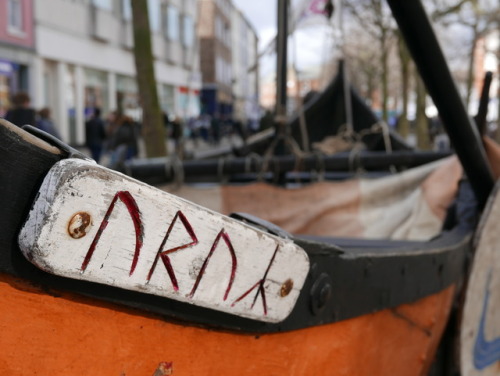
(324,116)
(97,304)
(102,274)
(362,306)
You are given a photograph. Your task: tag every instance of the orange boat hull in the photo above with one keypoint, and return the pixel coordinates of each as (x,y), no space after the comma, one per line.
(49,333)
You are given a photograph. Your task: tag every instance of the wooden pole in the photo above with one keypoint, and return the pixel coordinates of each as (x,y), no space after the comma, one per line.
(429,59)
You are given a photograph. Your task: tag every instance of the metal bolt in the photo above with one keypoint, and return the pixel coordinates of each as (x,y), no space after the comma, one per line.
(324,295)
(286,287)
(79,224)
(321,292)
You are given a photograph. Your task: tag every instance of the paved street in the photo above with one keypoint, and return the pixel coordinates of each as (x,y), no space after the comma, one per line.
(193,148)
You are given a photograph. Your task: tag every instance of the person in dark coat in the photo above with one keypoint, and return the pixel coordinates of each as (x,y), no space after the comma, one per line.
(95,134)
(124,140)
(45,123)
(21,114)
(177,133)
(215,126)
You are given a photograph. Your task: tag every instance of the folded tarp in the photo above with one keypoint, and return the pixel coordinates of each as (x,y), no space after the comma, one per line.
(405,206)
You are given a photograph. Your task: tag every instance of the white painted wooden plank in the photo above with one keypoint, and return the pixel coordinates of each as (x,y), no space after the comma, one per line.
(480,326)
(126,234)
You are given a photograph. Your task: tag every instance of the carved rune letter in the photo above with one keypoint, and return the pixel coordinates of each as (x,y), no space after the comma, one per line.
(222,234)
(135,214)
(260,287)
(164,254)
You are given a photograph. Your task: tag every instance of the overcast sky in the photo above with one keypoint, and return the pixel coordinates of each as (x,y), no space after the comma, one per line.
(312,42)
(261,13)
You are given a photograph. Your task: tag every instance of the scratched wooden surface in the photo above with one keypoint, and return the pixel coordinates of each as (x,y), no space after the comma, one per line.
(480,327)
(94,224)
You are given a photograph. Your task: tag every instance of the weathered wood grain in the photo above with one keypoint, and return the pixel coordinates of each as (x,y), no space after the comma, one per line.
(143,239)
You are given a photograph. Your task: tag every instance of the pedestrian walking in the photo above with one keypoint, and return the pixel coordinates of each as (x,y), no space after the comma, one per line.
(123,143)
(45,122)
(21,113)
(95,134)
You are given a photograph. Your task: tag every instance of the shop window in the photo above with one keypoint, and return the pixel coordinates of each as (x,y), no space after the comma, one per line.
(13,78)
(22,77)
(4,94)
(127,97)
(167,97)
(15,16)
(70,104)
(189,102)
(96,91)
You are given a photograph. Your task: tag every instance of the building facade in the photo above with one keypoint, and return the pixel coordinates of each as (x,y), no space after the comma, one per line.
(85,60)
(214,33)
(245,69)
(298,86)
(487,59)
(17,44)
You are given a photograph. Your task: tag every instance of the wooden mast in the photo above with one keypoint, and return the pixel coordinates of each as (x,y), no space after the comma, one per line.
(430,61)
(281,66)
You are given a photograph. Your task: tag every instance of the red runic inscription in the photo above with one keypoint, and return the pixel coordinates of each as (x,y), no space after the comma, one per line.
(135,214)
(222,234)
(260,287)
(164,254)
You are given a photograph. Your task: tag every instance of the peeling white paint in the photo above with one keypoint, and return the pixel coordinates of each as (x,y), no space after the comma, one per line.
(74,186)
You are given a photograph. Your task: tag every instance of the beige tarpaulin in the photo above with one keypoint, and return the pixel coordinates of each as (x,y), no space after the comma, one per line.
(409,205)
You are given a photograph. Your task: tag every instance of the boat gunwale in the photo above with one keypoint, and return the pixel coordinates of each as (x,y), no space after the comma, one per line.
(357,281)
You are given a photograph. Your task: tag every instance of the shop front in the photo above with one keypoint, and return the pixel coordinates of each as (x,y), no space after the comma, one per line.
(13,78)
(96,91)
(189,102)
(127,97)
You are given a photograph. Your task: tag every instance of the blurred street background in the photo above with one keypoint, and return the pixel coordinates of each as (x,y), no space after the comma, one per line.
(74,65)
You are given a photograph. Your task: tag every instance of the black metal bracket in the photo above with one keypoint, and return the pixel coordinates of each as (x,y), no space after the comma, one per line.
(261,224)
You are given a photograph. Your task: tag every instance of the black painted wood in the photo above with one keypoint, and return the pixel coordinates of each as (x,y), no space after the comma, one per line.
(23,166)
(160,170)
(484,99)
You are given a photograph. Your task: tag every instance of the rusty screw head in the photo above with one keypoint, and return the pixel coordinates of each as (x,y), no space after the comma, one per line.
(79,224)
(286,287)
